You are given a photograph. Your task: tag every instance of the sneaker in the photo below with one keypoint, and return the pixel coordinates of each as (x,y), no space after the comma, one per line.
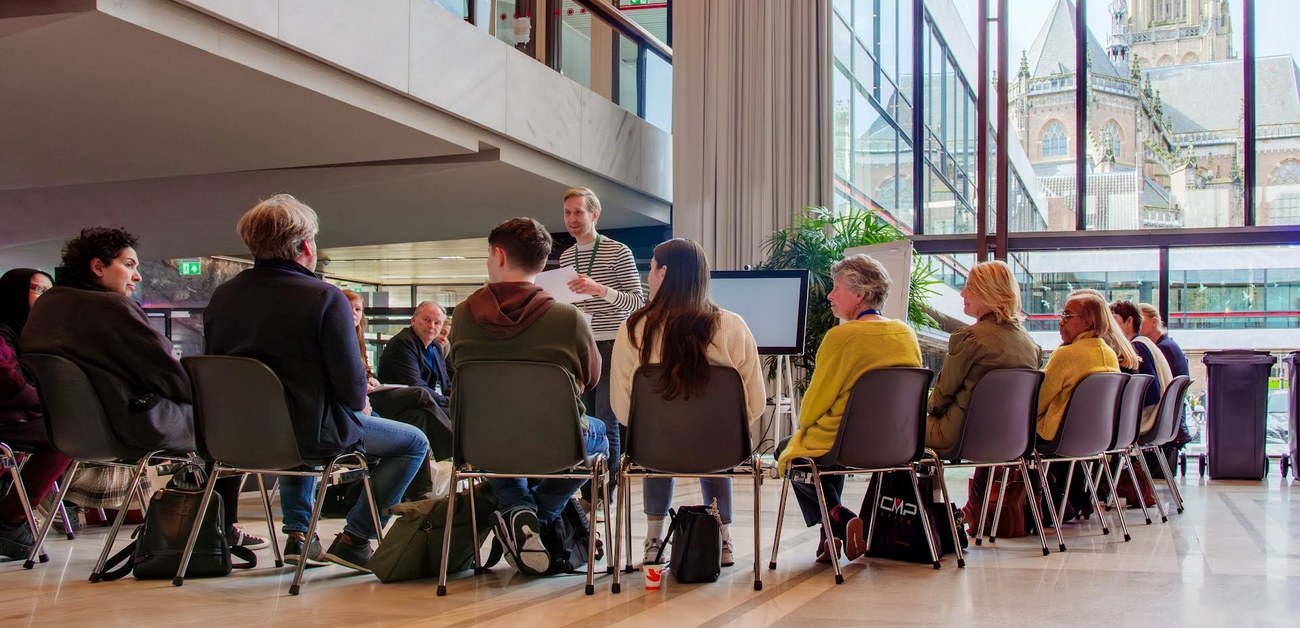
(530,556)
(293,550)
(15,541)
(239,538)
(855,544)
(350,551)
(822,556)
(728,555)
(653,550)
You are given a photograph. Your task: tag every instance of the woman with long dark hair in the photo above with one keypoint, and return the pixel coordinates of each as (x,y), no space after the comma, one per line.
(683,330)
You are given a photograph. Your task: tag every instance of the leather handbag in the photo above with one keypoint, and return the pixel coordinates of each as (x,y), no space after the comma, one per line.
(696,538)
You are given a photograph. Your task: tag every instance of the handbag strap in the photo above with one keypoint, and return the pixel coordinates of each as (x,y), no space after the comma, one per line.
(250,559)
(120,563)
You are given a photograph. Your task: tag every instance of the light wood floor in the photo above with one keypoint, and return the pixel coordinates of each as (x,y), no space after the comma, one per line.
(1232,559)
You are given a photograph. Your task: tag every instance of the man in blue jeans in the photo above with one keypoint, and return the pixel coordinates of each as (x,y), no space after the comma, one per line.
(278,312)
(511,318)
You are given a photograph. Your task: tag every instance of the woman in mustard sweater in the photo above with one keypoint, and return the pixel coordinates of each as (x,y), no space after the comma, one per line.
(1084,322)
(865,341)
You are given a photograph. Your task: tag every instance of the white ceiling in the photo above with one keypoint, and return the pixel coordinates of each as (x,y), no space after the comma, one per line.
(105,123)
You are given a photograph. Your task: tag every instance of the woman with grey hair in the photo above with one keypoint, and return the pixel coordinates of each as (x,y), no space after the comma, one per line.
(864,341)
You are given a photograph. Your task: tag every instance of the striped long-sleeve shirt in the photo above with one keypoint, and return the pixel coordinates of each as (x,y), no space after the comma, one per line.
(613,267)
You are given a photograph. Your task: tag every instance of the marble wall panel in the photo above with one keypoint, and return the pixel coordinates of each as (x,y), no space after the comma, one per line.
(543,109)
(456,67)
(368,38)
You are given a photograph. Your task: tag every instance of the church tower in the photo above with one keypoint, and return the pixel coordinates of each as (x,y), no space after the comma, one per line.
(1179,32)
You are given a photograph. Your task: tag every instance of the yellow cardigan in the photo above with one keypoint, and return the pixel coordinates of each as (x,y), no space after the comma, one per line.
(1067,367)
(847,352)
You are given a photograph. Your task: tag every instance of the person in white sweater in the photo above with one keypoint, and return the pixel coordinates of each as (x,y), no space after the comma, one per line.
(682,328)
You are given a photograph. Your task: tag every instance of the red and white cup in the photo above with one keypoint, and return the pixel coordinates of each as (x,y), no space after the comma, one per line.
(654,576)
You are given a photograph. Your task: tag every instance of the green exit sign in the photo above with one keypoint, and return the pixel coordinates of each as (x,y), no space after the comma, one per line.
(641,3)
(189,267)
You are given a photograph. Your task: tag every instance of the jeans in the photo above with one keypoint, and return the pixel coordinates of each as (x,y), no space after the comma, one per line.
(401,449)
(547,496)
(806,494)
(658,495)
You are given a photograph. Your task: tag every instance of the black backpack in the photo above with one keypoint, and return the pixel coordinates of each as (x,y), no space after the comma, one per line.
(566,539)
(160,541)
(696,536)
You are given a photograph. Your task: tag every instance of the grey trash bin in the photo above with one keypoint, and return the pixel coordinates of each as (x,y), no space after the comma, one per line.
(1237,410)
(1293,409)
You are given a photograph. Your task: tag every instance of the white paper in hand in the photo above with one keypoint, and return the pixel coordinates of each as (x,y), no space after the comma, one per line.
(556,283)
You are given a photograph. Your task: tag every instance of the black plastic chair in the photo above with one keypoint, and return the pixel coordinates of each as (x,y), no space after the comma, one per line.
(242,425)
(1086,431)
(701,437)
(998,432)
(1172,402)
(78,428)
(1127,422)
(534,431)
(883,429)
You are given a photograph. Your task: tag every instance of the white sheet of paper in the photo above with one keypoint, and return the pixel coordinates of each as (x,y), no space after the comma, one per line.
(556,282)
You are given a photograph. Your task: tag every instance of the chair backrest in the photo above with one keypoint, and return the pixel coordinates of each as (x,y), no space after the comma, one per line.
(1089,422)
(241,418)
(884,422)
(516,417)
(1129,417)
(75,420)
(704,434)
(999,424)
(1172,402)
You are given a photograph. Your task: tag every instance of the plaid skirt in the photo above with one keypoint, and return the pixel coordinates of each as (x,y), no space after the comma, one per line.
(99,486)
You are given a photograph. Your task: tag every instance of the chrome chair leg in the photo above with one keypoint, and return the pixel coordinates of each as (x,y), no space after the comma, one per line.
(757,468)
(831,549)
(270,520)
(193,536)
(1002,496)
(988,492)
(1033,505)
(780,519)
(135,490)
(1126,464)
(1146,471)
(446,533)
(1119,512)
(1051,505)
(947,510)
(59,494)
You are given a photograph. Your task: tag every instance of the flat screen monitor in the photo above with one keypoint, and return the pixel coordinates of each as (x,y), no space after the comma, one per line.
(774,304)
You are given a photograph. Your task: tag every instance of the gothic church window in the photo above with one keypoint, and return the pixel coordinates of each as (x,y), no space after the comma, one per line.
(1111,131)
(1054,142)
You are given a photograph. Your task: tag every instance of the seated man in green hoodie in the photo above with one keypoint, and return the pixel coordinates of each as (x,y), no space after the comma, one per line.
(511,318)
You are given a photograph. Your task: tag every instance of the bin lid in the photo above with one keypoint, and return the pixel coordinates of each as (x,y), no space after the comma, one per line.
(1238,356)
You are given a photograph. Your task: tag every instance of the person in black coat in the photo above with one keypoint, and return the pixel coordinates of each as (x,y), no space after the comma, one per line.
(89,318)
(278,312)
(412,358)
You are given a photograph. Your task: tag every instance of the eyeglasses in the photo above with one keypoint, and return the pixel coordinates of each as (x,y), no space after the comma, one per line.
(37,290)
(1065,316)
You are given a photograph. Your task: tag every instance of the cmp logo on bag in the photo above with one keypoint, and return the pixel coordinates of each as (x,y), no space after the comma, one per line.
(897,506)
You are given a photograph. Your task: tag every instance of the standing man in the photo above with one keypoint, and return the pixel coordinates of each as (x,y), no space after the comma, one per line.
(412,358)
(607,275)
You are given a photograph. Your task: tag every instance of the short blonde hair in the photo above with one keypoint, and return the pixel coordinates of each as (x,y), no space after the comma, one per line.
(277,227)
(995,285)
(1097,310)
(1150,311)
(862,273)
(589,200)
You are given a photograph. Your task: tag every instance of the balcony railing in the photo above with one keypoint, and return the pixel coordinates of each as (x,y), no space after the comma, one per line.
(608,47)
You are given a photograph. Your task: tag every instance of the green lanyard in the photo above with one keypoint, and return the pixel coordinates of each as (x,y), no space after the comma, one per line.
(591,261)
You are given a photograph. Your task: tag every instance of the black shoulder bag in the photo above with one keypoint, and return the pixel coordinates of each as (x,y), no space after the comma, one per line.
(696,536)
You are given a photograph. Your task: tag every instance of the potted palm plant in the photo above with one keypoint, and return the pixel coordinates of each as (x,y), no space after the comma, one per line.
(816,240)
